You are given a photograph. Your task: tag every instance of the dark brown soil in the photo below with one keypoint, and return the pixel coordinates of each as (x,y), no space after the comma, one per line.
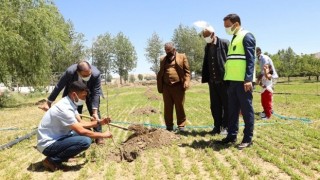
(143,138)
(42,101)
(151,95)
(145,111)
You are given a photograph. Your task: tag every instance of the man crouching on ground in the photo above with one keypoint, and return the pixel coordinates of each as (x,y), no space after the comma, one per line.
(62,134)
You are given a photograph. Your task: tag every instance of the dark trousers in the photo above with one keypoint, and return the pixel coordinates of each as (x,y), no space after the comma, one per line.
(67,147)
(89,107)
(240,100)
(173,97)
(219,104)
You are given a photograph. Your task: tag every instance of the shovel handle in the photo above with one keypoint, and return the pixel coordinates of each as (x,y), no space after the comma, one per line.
(85,116)
(114,125)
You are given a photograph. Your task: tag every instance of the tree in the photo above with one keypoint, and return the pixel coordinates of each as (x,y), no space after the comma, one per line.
(33,34)
(125,56)
(132,78)
(188,41)
(102,53)
(288,62)
(153,51)
(140,77)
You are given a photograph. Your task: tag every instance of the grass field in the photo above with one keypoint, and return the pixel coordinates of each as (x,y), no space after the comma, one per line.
(282,149)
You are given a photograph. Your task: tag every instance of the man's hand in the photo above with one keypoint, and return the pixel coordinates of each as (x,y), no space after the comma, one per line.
(45,106)
(105,121)
(107,134)
(248,86)
(186,85)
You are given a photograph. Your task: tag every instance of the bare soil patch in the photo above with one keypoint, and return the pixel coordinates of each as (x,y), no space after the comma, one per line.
(142,139)
(145,111)
(151,95)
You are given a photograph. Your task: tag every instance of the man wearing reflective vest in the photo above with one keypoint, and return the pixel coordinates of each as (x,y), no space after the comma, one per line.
(239,75)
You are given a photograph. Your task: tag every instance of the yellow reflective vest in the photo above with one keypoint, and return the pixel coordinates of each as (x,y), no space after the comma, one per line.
(235,67)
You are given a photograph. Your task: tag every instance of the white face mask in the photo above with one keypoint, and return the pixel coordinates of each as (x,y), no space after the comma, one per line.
(208,39)
(86,78)
(80,102)
(229,31)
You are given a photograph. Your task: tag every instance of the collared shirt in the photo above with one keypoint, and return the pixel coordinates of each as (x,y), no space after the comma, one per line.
(212,62)
(170,76)
(55,123)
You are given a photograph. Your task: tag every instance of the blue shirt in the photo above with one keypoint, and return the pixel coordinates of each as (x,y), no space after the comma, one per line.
(55,123)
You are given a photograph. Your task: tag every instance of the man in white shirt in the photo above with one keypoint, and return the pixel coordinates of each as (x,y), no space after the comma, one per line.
(263,60)
(62,134)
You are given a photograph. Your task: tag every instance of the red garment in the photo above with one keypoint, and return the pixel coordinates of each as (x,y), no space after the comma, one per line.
(266,101)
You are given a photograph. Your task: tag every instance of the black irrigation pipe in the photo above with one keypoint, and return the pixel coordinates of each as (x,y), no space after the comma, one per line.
(11,143)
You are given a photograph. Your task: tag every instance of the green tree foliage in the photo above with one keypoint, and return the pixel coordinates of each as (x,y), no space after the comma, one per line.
(140,77)
(125,56)
(288,66)
(33,36)
(102,53)
(154,50)
(132,78)
(188,41)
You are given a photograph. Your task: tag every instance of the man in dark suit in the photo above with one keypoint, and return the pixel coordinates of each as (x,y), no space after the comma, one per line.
(215,56)
(173,79)
(88,74)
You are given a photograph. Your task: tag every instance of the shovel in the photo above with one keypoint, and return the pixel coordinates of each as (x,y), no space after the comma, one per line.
(114,125)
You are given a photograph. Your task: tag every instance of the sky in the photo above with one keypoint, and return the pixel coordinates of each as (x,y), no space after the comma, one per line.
(276,24)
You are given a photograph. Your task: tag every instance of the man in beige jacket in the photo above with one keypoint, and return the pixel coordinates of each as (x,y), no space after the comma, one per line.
(173,79)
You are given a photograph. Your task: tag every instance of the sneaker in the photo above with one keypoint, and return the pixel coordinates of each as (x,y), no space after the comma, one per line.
(264,118)
(224,131)
(169,129)
(244,145)
(215,131)
(262,114)
(181,129)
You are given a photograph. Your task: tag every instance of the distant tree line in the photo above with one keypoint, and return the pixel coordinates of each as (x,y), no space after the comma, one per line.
(36,41)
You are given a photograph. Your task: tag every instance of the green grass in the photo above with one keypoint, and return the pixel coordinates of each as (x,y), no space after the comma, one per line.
(282,149)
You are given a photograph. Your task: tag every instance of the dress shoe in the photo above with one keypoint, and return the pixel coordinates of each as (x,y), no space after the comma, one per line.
(215,131)
(244,145)
(50,165)
(227,140)
(100,141)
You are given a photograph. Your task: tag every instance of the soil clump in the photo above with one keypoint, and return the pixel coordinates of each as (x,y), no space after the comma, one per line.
(142,139)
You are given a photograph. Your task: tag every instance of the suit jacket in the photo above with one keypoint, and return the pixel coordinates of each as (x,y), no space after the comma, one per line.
(71,75)
(182,68)
(222,53)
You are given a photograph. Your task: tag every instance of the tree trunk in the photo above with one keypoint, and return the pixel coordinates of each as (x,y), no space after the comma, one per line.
(309,78)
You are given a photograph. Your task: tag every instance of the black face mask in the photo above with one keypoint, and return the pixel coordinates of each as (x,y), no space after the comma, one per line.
(169,54)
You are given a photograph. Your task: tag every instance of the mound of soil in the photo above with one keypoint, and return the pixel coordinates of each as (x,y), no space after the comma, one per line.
(151,95)
(143,138)
(40,102)
(144,111)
